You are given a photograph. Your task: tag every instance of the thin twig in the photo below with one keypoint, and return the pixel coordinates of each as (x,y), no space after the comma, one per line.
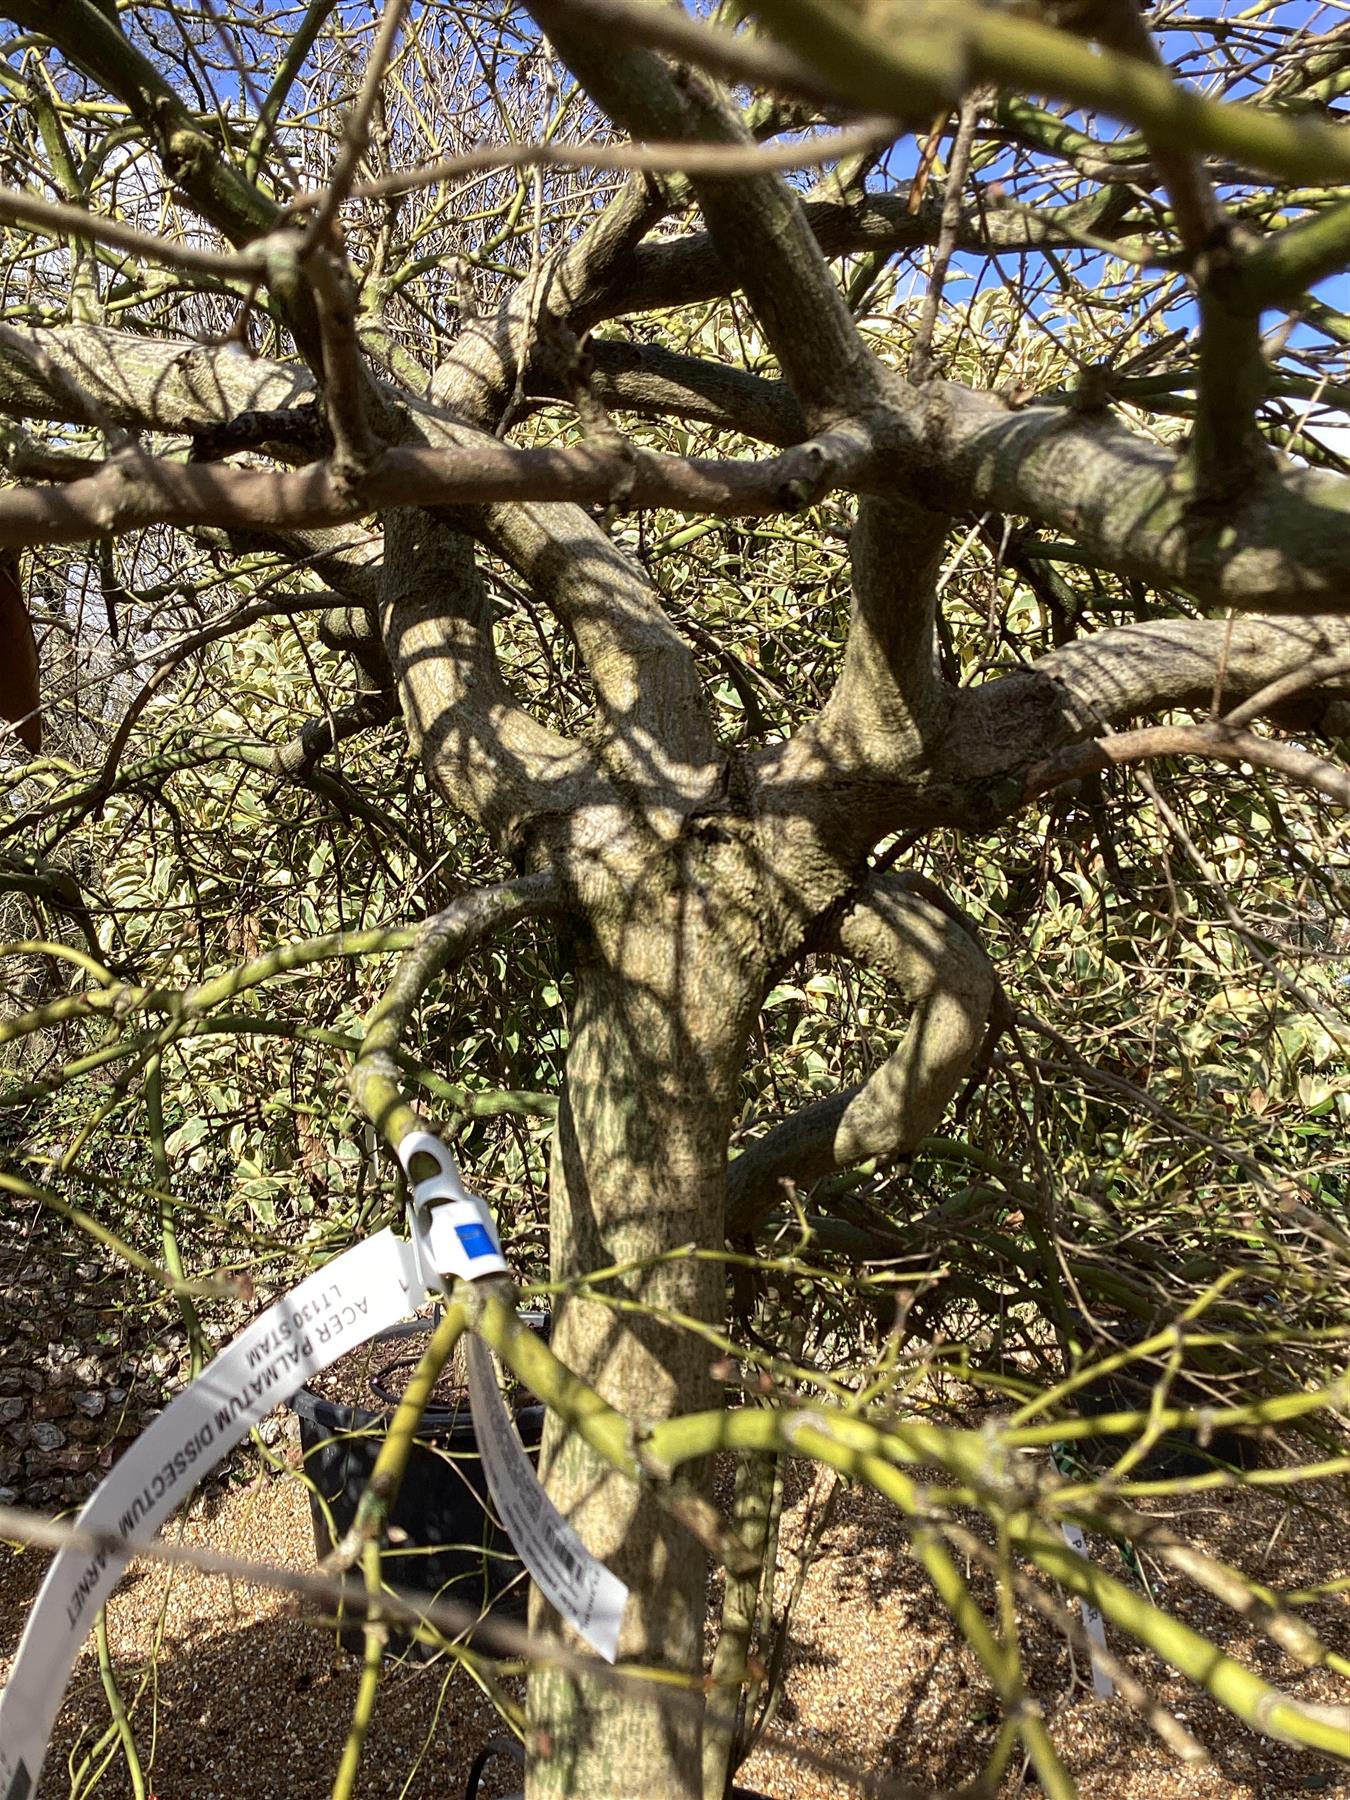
(355,131)
(958,167)
(1216,739)
(651,159)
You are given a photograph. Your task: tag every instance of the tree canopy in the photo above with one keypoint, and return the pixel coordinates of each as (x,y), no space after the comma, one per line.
(744,614)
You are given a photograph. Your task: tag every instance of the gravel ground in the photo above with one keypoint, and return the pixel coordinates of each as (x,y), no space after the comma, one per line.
(877,1677)
(235,1694)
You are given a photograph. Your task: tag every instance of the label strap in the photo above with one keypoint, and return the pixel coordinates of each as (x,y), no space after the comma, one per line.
(587,1594)
(367,1288)
(455,1236)
(363,1291)
(1094,1626)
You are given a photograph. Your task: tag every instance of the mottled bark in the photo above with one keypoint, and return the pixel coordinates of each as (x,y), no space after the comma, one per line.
(670,971)
(1280,546)
(491,757)
(658,725)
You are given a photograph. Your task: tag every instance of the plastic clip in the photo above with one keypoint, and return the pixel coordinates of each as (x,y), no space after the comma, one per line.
(451,1228)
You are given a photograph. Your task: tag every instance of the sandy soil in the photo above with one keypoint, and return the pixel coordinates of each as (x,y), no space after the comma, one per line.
(234,1693)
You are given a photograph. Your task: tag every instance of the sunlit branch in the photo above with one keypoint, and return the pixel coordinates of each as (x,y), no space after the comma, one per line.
(756,220)
(950,45)
(949,982)
(133,490)
(1217,741)
(646,682)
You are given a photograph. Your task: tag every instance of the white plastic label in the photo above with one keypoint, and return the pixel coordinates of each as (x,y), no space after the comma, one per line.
(452,1228)
(1093,1624)
(587,1594)
(357,1294)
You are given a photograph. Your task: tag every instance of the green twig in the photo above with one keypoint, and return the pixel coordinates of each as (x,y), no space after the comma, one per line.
(168,1224)
(376,1634)
(117,1708)
(982,1466)
(752,1510)
(908,62)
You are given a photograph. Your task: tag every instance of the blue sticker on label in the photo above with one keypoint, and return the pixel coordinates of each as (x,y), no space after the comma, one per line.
(476,1240)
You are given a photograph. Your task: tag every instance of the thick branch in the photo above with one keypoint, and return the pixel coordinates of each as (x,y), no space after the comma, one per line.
(134,490)
(756,220)
(1227,452)
(688,269)
(611,272)
(355,630)
(646,682)
(89,375)
(843,775)
(657,383)
(1116,675)
(889,696)
(950,983)
(491,758)
(478,379)
(95,376)
(1280,545)
(1113,677)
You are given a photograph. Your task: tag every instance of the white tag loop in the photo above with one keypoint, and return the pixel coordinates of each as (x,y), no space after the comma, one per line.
(369,1287)
(452,1229)
(445,1184)
(347,1301)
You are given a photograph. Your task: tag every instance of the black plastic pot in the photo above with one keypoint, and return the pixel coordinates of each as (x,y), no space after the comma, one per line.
(1176,1454)
(447,1541)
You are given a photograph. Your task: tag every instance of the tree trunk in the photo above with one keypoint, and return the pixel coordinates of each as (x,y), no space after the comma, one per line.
(663,1005)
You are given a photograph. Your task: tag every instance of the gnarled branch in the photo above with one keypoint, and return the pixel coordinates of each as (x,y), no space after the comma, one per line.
(889,698)
(843,773)
(1115,676)
(478,378)
(655,707)
(755,220)
(490,756)
(895,927)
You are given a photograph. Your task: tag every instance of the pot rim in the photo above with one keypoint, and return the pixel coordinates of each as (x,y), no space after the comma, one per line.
(455,1423)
